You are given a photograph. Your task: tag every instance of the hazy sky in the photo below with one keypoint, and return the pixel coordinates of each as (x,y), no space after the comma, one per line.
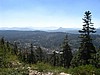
(47,13)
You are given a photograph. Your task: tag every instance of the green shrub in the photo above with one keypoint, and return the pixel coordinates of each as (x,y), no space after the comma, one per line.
(97,71)
(84,70)
(45,67)
(13,71)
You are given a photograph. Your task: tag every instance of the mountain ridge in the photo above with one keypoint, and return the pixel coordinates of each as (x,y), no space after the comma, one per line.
(60,29)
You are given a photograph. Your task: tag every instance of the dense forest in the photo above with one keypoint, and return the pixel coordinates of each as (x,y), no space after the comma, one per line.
(77,54)
(50,40)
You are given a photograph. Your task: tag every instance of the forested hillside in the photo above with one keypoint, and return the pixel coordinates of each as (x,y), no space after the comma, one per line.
(50,40)
(51,53)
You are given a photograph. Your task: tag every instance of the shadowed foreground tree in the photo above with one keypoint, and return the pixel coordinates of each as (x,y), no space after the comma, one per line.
(30,55)
(15,48)
(2,52)
(67,54)
(39,55)
(98,59)
(54,59)
(86,54)
(5,53)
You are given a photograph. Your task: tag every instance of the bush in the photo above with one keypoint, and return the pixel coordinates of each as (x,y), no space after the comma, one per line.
(84,70)
(45,67)
(13,71)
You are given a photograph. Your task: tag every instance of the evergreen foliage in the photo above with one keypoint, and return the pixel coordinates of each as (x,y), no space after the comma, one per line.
(32,56)
(85,61)
(40,54)
(6,55)
(15,48)
(67,54)
(98,59)
(87,52)
(55,58)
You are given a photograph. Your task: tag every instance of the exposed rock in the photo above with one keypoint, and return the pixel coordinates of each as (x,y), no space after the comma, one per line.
(62,73)
(34,72)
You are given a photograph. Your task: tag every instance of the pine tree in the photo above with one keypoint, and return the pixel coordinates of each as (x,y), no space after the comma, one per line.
(54,59)
(98,58)
(67,54)
(40,55)
(86,54)
(32,58)
(8,47)
(2,53)
(15,48)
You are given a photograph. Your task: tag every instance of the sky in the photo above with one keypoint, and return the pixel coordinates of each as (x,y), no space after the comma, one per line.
(47,13)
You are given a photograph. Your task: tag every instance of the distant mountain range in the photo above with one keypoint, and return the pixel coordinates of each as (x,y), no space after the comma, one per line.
(48,29)
(28,28)
(67,30)
(18,28)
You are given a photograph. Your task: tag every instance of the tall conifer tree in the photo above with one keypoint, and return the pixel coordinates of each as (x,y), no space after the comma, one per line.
(67,54)
(87,48)
(31,56)
(86,54)
(40,55)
